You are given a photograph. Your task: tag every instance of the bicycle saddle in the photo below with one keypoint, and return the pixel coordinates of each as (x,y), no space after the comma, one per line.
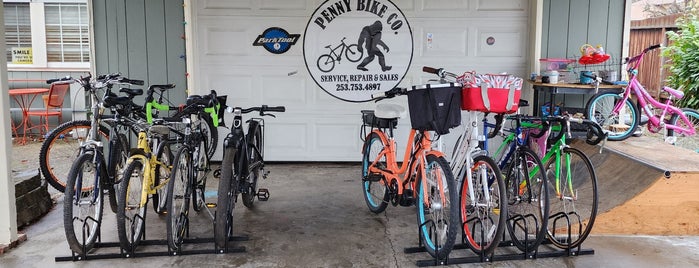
(389,110)
(132,92)
(675,93)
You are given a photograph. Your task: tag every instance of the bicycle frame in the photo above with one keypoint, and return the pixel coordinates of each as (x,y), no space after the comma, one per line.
(150,164)
(410,163)
(463,157)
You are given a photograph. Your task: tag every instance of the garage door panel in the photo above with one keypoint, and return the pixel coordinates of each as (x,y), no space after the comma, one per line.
(444,5)
(284,4)
(502,43)
(502,5)
(442,41)
(286,140)
(222,42)
(288,91)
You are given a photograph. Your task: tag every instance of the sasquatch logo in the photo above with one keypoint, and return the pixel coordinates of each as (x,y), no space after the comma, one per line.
(356,48)
(276,40)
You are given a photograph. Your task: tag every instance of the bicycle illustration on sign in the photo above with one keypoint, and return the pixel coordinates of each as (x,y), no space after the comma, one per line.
(326,62)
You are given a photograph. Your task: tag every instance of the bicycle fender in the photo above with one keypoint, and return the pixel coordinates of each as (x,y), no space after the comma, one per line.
(233,139)
(436,153)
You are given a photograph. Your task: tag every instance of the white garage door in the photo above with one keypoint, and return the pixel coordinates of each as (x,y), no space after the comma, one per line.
(459,35)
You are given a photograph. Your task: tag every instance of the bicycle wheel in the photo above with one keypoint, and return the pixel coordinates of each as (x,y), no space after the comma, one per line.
(210,134)
(117,161)
(527,200)
(599,109)
(683,140)
(325,63)
(437,207)
(61,146)
(255,150)
(375,191)
(131,216)
(200,168)
(82,204)
(483,217)
(574,200)
(223,227)
(162,173)
(353,54)
(179,193)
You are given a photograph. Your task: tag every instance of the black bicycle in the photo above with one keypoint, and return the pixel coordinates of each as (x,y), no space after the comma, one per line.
(241,167)
(326,62)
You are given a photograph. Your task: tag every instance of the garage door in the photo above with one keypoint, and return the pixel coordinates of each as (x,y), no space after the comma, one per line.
(459,35)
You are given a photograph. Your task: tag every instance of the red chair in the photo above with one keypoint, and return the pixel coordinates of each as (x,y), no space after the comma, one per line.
(53,102)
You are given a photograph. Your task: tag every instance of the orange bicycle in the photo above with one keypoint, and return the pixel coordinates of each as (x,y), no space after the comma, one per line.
(424,178)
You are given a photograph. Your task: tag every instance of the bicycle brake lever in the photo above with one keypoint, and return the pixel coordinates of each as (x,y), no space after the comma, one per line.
(264,114)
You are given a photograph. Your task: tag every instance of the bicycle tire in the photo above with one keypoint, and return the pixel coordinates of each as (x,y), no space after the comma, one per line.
(472,231)
(328,63)
(223,226)
(164,155)
(91,202)
(210,134)
(178,197)
(376,193)
(255,150)
(690,142)
(117,157)
(438,238)
(527,195)
(353,50)
(582,205)
(60,148)
(131,215)
(599,109)
(200,167)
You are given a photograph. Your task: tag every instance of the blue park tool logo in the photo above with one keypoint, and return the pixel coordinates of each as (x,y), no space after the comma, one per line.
(276,40)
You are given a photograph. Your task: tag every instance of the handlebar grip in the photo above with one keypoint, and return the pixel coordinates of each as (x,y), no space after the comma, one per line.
(651,47)
(280,109)
(51,81)
(134,82)
(430,70)
(575,120)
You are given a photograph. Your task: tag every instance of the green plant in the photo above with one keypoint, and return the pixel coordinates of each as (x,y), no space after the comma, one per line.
(683,52)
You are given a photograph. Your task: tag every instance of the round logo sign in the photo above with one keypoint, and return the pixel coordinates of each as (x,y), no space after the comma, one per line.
(276,40)
(355,48)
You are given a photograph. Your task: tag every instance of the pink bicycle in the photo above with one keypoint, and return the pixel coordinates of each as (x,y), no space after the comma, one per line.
(620,117)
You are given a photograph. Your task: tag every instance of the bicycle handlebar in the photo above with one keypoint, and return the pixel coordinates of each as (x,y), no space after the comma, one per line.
(63,79)
(262,109)
(594,136)
(637,57)
(396,91)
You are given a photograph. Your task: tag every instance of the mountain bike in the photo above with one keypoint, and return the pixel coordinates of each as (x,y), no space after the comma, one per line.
(573,196)
(242,166)
(423,179)
(148,169)
(482,189)
(326,62)
(91,175)
(62,144)
(620,117)
(188,177)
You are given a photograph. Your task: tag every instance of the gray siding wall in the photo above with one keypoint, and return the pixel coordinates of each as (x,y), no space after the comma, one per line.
(142,39)
(569,24)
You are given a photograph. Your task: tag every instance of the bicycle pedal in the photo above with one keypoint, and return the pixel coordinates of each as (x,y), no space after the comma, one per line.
(211,205)
(217,173)
(262,194)
(265,174)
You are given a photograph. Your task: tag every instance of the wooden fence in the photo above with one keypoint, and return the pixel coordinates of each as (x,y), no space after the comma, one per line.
(645,33)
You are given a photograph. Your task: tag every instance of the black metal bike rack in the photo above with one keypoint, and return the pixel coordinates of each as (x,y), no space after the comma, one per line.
(131,253)
(481,258)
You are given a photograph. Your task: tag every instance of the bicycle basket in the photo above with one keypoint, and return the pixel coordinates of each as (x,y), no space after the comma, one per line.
(435,107)
(496,93)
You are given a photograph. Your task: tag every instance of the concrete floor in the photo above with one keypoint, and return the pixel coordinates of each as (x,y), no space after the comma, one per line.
(316,217)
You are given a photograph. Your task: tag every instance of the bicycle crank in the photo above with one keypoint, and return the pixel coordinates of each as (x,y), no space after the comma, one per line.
(262,194)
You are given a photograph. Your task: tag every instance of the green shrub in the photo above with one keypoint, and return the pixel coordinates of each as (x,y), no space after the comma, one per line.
(683,52)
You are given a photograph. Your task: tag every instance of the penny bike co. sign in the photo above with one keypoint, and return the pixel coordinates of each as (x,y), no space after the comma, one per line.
(355,48)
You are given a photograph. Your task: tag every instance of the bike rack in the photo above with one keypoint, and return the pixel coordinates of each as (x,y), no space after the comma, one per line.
(131,253)
(481,258)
